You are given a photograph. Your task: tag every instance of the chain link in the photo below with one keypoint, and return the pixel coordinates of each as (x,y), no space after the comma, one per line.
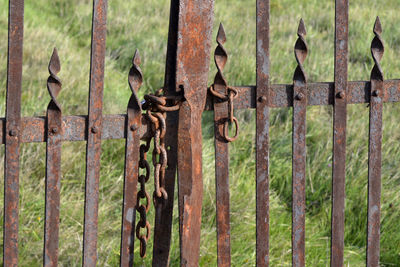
(156,108)
(142,209)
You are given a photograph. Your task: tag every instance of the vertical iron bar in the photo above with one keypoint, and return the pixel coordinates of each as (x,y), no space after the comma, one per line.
(12,132)
(221,156)
(299,152)
(262,134)
(163,213)
(93,148)
(339,132)
(193,55)
(375,149)
(53,166)
(131,172)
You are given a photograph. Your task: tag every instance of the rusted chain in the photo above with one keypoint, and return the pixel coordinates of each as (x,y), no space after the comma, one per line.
(156,106)
(142,194)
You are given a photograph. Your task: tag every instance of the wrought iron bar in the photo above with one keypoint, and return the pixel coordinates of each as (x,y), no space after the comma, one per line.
(375,149)
(299,150)
(221,154)
(193,55)
(339,132)
(163,213)
(131,172)
(262,134)
(12,132)
(53,165)
(94,132)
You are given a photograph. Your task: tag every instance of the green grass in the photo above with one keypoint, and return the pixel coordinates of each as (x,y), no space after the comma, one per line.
(144,25)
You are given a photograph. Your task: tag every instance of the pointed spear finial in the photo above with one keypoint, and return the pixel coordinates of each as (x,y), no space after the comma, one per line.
(300,53)
(53,82)
(301,31)
(377,50)
(221,36)
(220,57)
(377,26)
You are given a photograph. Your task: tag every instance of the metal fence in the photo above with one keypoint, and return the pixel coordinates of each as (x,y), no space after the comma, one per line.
(173,121)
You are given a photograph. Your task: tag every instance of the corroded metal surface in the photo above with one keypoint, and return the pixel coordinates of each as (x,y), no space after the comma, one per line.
(163,213)
(339,132)
(131,172)
(262,134)
(94,131)
(319,94)
(375,149)
(221,154)
(299,150)
(53,165)
(193,55)
(12,132)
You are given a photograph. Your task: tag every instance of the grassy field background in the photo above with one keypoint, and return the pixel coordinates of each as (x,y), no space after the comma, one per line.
(144,25)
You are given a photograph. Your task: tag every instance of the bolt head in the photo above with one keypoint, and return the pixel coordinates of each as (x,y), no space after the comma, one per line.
(300,96)
(13,132)
(95,130)
(262,99)
(134,127)
(341,95)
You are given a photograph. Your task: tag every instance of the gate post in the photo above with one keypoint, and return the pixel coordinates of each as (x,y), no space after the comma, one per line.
(193,47)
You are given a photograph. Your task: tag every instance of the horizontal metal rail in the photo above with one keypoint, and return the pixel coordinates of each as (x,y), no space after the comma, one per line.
(33,129)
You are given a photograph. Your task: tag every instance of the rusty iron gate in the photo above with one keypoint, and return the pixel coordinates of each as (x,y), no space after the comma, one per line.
(173,121)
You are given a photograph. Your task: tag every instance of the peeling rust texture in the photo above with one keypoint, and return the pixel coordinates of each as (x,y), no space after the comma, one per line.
(193,55)
(341,95)
(221,155)
(163,213)
(375,149)
(131,172)
(94,132)
(299,151)
(262,133)
(53,166)
(12,132)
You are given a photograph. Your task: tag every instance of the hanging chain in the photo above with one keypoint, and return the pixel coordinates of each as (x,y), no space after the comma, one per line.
(156,106)
(142,209)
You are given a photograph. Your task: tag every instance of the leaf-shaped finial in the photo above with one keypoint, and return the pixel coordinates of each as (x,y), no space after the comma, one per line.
(53,82)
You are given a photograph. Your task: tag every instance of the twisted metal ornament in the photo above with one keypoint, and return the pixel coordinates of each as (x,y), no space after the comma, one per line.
(300,53)
(53,81)
(220,59)
(377,50)
(135,80)
(220,89)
